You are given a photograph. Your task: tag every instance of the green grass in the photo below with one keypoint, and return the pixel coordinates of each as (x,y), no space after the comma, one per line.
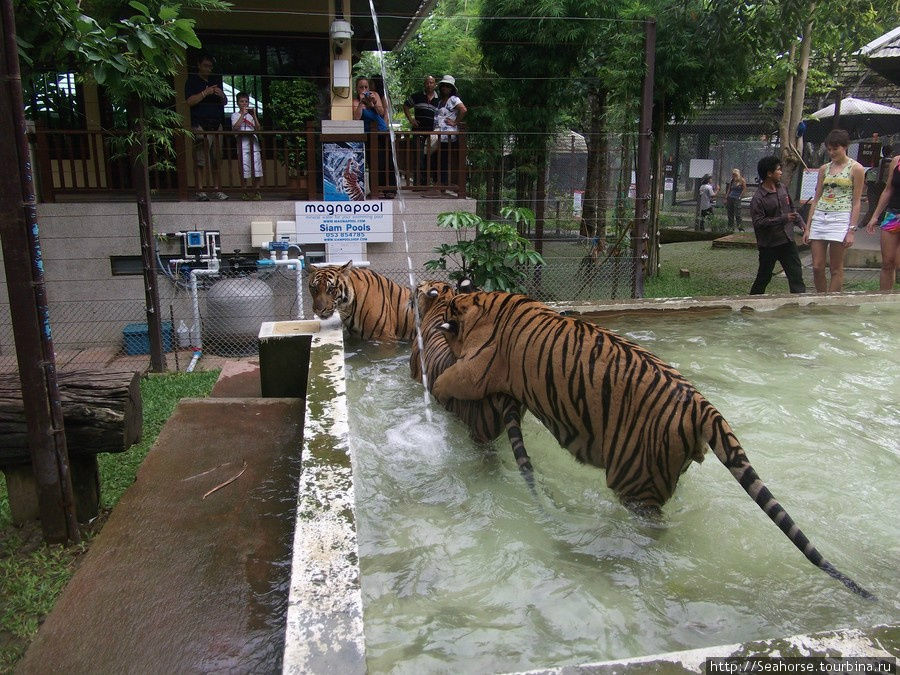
(723,271)
(32,575)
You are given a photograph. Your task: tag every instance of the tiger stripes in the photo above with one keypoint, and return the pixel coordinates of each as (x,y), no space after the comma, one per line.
(486,418)
(371,306)
(610,402)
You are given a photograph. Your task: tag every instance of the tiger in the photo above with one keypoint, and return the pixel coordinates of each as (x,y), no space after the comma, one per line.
(485,418)
(371,306)
(610,402)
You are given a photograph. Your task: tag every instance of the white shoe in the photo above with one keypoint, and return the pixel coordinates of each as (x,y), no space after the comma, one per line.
(221,196)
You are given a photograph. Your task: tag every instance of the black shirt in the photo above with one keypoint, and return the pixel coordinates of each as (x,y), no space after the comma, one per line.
(210,111)
(425,109)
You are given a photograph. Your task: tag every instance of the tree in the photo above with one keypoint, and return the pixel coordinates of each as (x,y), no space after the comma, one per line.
(813,39)
(133,54)
(534,53)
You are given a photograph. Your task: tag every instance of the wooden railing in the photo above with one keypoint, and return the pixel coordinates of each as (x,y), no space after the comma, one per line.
(95,164)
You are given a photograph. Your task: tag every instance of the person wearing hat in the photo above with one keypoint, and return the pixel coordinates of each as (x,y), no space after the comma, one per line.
(708,193)
(450,112)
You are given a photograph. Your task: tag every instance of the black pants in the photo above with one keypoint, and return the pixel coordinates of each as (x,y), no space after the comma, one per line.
(789,257)
(734,213)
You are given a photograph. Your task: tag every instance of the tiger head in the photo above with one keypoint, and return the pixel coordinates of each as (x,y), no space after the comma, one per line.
(329,289)
(461,318)
(428,292)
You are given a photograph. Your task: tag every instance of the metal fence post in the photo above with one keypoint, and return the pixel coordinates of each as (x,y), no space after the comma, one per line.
(642,196)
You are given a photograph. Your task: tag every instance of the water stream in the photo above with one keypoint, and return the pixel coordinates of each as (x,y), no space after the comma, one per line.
(464,571)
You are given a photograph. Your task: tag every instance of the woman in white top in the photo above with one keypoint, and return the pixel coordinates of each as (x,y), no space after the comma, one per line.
(450,112)
(831,225)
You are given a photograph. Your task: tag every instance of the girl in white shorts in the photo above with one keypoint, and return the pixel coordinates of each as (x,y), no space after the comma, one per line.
(831,226)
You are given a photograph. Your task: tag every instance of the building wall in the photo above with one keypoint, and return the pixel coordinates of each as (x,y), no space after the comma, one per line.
(78,240)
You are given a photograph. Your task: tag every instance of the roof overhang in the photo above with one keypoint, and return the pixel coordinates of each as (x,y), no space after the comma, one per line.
(883,55)
(397,20)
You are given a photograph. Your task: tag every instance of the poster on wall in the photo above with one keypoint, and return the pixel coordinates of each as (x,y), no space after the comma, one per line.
(341,221)
(343,171)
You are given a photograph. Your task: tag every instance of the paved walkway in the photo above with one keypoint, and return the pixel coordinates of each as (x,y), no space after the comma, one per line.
(185,577)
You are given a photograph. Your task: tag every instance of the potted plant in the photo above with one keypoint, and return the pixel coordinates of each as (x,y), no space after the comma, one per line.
(293,103)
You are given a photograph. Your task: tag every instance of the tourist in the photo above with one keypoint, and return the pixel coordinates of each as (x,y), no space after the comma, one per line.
(369,108)
(706,199)
(450,113)
(204,95)
(876,178)
(889,202)
(424,107)
(733,194)
(834,211)
(774,220)
(245,122)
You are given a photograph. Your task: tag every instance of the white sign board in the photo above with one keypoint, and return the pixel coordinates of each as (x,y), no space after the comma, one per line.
(808,184)
(324,222)
(700,167)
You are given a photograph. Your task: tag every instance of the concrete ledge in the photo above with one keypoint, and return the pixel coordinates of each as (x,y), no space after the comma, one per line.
(324,622)
(726,304)
(881,642)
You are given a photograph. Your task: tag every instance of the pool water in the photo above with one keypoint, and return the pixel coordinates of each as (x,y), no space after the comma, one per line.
(466,570)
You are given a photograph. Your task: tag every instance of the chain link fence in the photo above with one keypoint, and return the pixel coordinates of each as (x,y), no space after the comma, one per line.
(220,314)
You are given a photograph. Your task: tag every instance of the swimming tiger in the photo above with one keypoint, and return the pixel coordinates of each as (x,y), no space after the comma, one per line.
(370,305)
(610,402)
(485,418)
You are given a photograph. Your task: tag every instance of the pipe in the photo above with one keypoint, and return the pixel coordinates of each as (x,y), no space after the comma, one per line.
(297,263)
(194,359)
(195,304)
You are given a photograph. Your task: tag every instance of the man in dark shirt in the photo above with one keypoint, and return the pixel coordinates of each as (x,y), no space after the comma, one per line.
(424,106)
(203,94)
(774,219)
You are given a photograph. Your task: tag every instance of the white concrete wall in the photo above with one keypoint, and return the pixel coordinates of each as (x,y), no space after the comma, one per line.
(78,239)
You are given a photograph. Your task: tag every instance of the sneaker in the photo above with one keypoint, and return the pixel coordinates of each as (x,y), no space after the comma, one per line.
(245,196)
(202,197)
(256,197)
(221,196)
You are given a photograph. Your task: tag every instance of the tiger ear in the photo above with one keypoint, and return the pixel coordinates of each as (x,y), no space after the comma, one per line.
(312,269)
(345,266)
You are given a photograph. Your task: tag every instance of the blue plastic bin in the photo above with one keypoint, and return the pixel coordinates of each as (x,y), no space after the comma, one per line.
(136,338)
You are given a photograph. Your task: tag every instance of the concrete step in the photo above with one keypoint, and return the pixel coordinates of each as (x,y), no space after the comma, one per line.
(183,578)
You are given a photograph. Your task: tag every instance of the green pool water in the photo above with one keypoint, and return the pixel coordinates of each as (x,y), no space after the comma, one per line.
(465,570)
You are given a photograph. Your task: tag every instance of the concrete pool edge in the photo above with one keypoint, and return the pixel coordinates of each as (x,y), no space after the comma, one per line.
(325,630)
(324,627)
(725,303)
(876,642)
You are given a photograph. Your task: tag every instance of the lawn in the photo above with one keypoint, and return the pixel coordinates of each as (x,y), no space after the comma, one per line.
(32,575)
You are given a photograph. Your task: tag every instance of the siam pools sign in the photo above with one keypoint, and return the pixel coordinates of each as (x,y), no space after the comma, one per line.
(326,222)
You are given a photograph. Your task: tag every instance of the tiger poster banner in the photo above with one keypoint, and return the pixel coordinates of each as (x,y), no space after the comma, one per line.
(344,171)
(330,222)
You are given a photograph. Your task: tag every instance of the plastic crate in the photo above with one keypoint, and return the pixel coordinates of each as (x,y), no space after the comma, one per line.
(136,338)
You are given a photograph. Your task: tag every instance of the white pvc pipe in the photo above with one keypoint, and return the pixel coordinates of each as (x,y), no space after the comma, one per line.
(194,359)
(195,303)
(298,265)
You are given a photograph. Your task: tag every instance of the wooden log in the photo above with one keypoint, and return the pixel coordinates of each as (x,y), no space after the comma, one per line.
(102,412)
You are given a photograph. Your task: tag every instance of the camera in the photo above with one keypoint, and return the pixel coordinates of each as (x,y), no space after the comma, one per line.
(367,94)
